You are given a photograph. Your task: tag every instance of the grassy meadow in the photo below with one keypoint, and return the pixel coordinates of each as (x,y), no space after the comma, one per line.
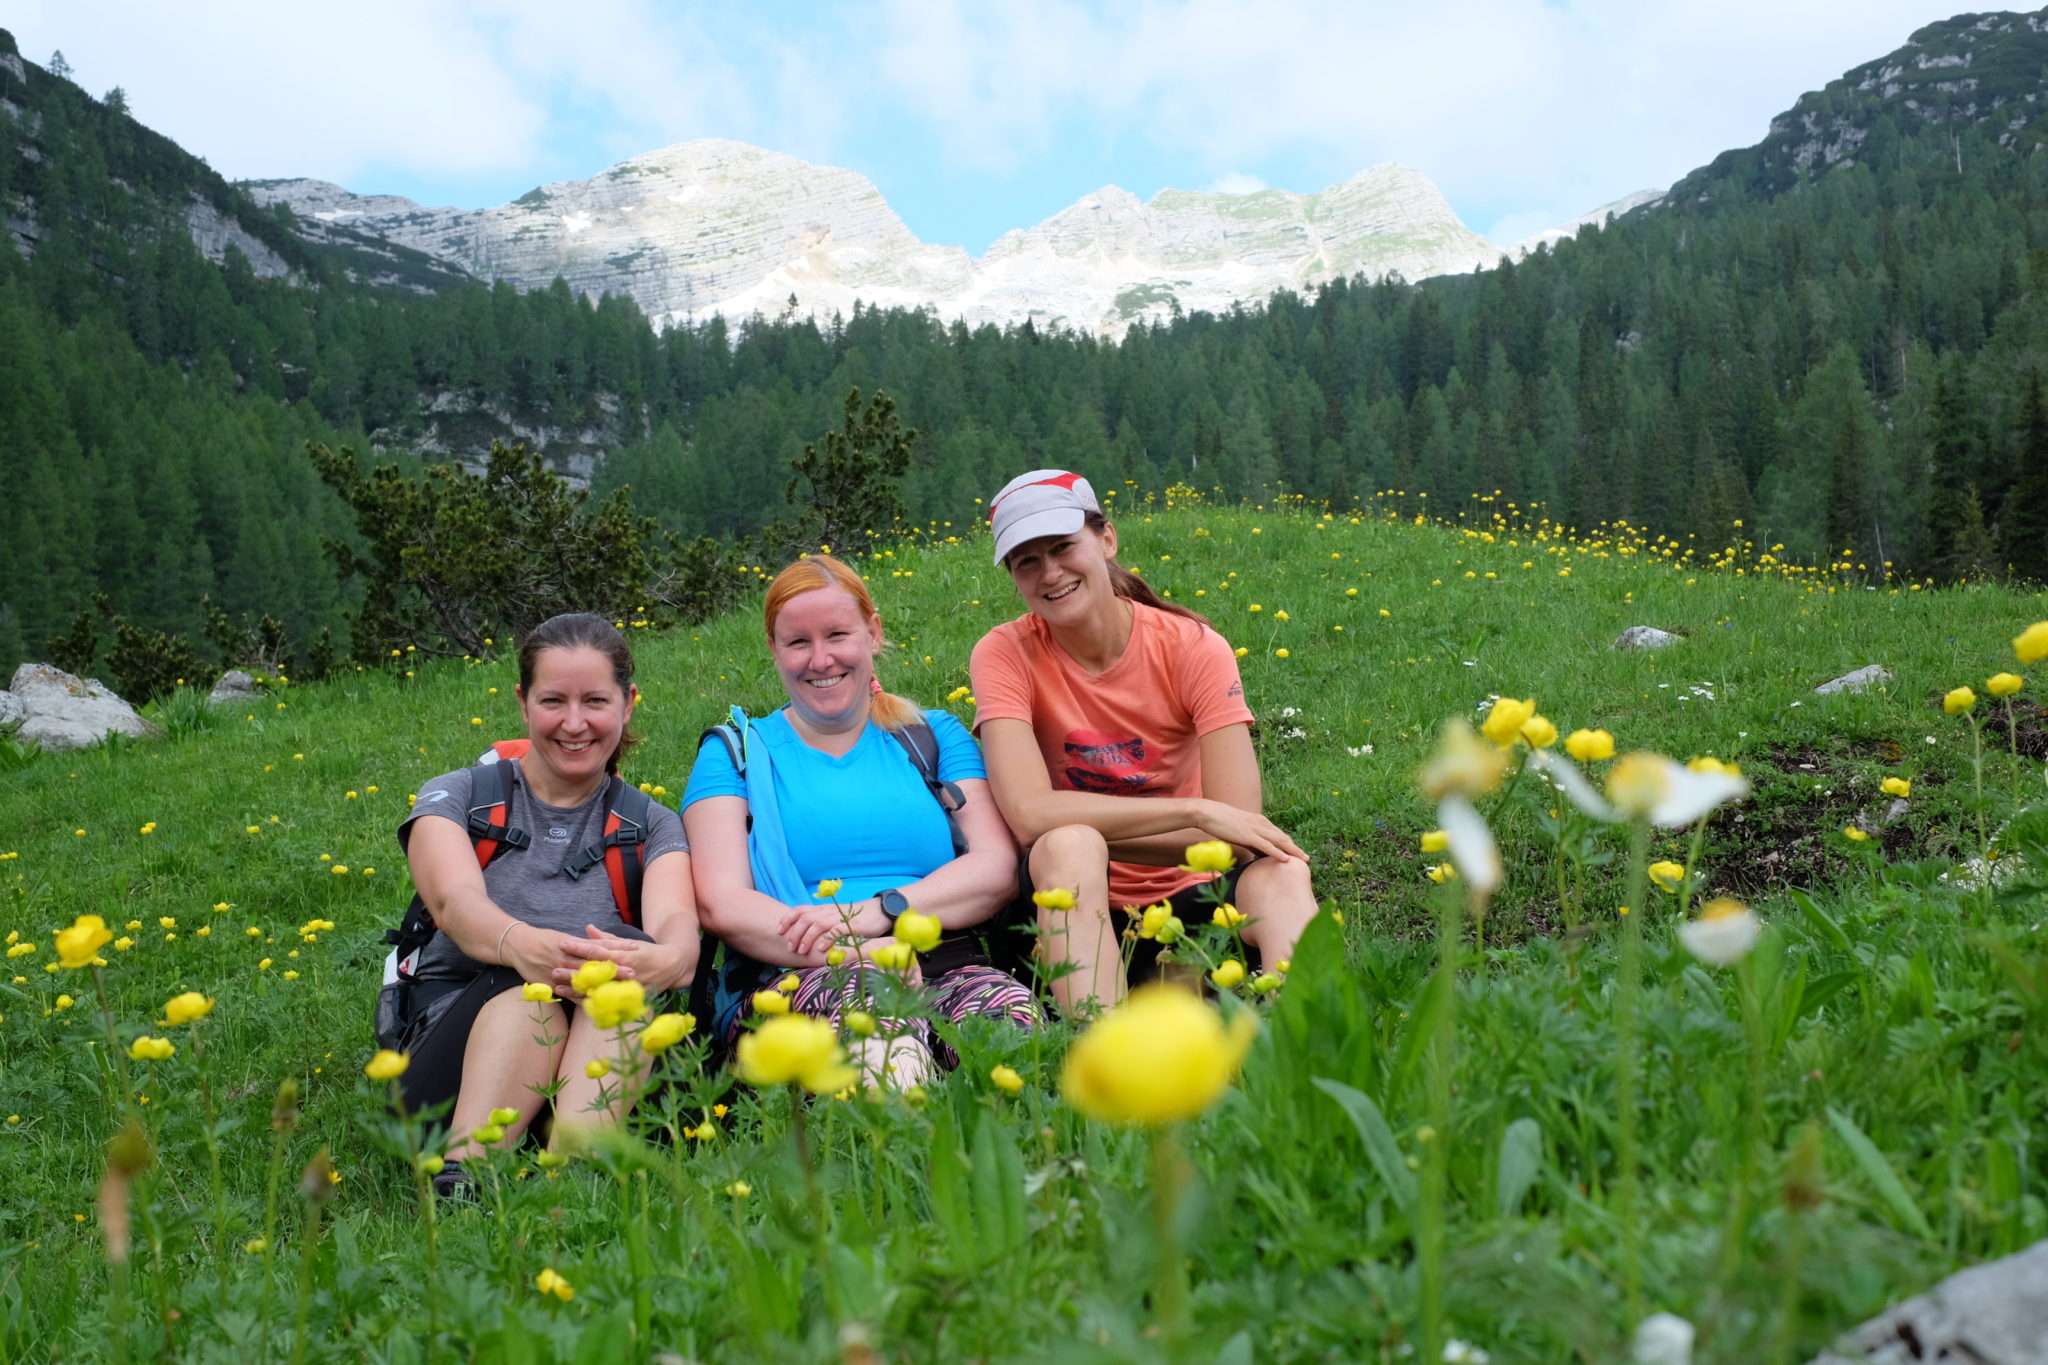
(1849,1113)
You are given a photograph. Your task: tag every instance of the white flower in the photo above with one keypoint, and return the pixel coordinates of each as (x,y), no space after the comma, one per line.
(1360,752)
(1662,1339)
(1723,934)
(1464,1353)
(1470,843)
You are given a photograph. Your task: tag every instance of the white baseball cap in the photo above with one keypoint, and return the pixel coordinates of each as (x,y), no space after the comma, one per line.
(1045,502)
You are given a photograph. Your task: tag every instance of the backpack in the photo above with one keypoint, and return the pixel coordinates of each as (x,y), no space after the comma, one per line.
(731,976)
(490,788)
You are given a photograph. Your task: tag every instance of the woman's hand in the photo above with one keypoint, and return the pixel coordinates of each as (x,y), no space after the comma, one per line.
(812,928)
(541,955)
(656,966)
(1248,830)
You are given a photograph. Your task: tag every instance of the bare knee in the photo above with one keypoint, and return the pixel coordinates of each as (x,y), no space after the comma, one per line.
(1273,878)
(1061,856)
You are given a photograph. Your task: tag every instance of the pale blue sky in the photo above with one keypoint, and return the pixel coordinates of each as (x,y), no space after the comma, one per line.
(975,118)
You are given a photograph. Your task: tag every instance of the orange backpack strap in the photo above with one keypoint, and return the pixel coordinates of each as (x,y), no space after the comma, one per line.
(490,790)
(622,849)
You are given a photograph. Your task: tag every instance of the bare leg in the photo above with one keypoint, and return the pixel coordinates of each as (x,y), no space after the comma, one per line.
(893,1063)
(502,1065)
(576,1106)
(1278,902)
(1076,858)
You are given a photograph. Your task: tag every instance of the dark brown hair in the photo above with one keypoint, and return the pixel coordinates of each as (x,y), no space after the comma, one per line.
(582,630)
(1127,584)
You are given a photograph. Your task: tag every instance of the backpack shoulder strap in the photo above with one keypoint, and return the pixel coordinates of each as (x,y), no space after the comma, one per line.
(490,795)
(621,850)
(922,745)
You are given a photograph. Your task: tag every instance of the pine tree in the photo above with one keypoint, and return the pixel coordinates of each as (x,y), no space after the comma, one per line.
(2023,528)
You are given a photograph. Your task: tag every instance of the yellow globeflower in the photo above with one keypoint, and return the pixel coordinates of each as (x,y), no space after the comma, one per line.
(1006,1079)
(1227,916)
(504,1116)
(1897,786)
(1589,746)
(798,1048)
(1435,841)
(597,1068)
(1504,722)
(183,1009)
(892,957)
(1055,898)
(1211,855)
(539,992)
(1959,701)
(859,1023)
(150,1049)
(1229,974)
(1707,763)
(81,943)
(828,888)
(615,1003)
(2031,645)
(2004,684)
(1667,875)
(593,974)
(387,1065)
(919,931)
(1161,1056)
(770,1002)
(1855,835)
(548,1282)
(1539,732)
(666,1031)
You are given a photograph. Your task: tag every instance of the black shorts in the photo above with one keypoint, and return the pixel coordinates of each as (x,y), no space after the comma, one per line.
(444,1012)
(1192,906)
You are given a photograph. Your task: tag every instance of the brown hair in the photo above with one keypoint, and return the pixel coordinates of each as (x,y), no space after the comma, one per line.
(1124,583)
(582,630)
(811,573)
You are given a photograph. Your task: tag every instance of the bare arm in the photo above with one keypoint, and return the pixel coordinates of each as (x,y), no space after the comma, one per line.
(668,912)
(727,902)
(962,892)
(1033,805)
(445,870)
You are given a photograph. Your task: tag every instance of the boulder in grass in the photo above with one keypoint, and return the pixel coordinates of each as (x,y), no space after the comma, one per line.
(234,686)
(1644,637)
(1868,676)
(62,712)
(11,710)
(1990,1314)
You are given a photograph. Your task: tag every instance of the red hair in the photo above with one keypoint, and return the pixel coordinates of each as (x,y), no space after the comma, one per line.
(812,573)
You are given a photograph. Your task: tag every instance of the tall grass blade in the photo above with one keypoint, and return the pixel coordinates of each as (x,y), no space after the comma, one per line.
(1380,1147)
(1879,1172)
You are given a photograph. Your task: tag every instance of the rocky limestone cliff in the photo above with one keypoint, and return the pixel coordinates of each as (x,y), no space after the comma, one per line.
(1552,236)
(721,227)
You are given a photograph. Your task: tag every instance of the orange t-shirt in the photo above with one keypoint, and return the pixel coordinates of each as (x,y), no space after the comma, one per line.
(1133,730)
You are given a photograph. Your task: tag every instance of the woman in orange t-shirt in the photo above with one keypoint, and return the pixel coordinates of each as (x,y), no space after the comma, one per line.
(1102,693)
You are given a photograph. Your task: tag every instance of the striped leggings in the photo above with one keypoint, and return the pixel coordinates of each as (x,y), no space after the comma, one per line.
(964,992)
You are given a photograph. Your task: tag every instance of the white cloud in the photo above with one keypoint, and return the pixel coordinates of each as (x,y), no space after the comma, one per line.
(1237,182)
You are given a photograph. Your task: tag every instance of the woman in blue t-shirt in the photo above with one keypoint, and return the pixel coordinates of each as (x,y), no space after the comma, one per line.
(851,807)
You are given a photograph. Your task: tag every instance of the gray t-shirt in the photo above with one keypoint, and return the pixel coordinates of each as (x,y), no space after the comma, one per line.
(528,883)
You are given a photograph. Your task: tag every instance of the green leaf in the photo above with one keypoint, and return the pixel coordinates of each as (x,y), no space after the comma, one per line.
(1421,1028)
(1822,922)
(1380,1147)
(1823,989)
(1890,1189)
(949,1188)
(998,1189)
(1521,1157)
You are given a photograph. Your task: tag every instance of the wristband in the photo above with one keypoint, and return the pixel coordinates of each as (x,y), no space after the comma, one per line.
(503,934)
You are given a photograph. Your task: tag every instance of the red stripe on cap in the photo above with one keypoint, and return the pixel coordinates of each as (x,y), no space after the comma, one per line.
(1066,481)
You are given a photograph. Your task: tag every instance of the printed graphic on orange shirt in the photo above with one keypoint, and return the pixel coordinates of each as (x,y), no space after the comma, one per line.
(1113,765)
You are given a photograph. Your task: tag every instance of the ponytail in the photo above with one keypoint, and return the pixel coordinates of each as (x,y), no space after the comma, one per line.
(891,712)
(1126,584)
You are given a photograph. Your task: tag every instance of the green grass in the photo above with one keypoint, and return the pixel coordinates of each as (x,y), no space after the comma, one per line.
(1901,1015)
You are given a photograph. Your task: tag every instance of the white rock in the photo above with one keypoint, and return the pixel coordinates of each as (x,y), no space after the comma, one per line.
(719,227)
(234,686)
(1863,677)
(1991,1314)
(61,712)
(1643,637)
(11,710)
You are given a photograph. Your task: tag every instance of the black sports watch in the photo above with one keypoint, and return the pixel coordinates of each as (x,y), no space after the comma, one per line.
(894,902)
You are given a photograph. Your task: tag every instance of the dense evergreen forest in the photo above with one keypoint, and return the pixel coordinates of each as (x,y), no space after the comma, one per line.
(1836,337)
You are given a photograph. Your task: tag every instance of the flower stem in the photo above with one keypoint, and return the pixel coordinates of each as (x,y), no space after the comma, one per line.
(819,1225)
(1170,1296)
(1627,987)
(220,1203)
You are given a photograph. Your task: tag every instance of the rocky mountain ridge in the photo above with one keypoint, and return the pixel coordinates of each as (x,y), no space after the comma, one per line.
(720,227)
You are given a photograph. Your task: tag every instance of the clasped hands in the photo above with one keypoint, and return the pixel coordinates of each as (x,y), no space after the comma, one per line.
(544,955)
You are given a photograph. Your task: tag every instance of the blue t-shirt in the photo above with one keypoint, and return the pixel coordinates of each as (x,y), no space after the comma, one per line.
(866,818)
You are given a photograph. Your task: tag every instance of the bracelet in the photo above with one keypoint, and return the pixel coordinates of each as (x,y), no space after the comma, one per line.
(510,925)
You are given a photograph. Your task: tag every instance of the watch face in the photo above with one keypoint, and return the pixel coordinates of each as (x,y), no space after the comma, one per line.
(894,902)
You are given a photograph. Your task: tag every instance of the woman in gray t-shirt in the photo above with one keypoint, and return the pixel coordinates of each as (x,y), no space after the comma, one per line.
(522,918)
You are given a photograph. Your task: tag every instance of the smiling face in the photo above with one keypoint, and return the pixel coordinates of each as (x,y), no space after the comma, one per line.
(575,713)
(1065,579)
(824,648)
